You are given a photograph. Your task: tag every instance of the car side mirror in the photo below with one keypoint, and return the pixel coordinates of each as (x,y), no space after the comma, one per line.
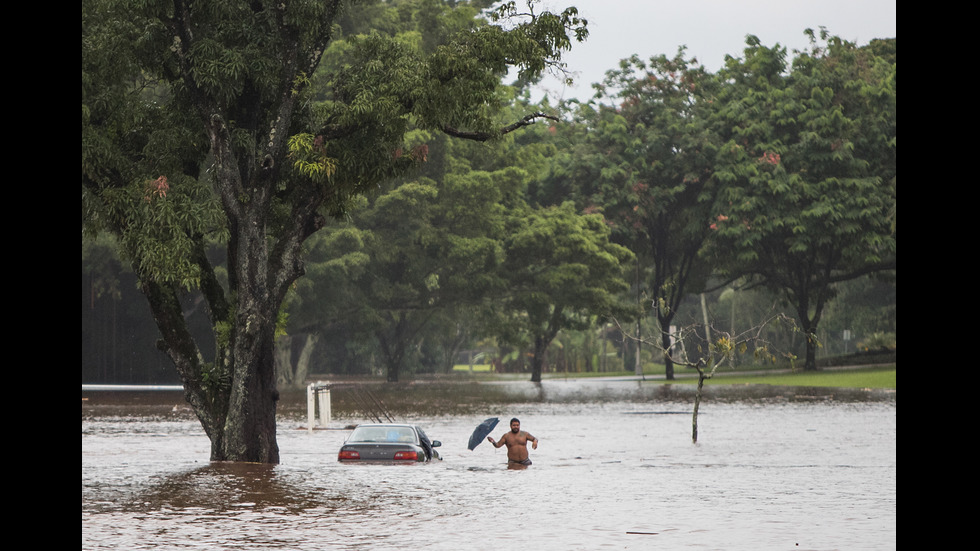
(436,443)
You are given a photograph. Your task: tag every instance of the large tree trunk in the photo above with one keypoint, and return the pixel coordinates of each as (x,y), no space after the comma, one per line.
(249,433)
(250,429)
(260,272)
(235,396)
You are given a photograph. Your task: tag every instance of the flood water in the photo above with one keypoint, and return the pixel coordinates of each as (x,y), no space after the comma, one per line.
(615,469)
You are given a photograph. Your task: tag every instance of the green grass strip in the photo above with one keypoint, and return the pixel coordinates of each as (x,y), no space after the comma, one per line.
(850,378)
(865,377)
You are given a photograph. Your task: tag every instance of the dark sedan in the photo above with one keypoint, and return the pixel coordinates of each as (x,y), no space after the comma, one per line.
(388,442)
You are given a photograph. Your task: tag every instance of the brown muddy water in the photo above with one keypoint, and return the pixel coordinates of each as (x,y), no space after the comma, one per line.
(774,468)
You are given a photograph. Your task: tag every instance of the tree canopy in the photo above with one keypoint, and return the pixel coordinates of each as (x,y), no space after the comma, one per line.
(807,172)
(200,122)
(646,165)
(562,269)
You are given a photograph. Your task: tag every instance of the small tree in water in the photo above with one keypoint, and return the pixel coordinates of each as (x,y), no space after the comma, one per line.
(706,359)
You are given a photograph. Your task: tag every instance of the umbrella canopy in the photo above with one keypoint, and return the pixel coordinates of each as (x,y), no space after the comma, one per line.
(482,431)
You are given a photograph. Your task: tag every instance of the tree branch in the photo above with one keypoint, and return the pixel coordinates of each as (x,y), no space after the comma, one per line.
(484,136)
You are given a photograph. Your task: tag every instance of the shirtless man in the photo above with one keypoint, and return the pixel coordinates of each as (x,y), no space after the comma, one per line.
(516,441)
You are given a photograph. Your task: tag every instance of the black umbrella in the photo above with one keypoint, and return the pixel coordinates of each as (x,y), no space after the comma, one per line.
(481,432)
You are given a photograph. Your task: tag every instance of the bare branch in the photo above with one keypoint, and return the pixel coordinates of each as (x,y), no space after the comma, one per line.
(484,136)
(714,354)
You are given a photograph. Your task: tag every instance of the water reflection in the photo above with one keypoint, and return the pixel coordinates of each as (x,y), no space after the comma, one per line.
(225,486)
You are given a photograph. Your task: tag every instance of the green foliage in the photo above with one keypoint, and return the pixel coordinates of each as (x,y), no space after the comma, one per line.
(223,331)
(309,157)
(561,270)
(807,172)
(215,380)
(807,184)
(540,35)
(878,341)
(642,153)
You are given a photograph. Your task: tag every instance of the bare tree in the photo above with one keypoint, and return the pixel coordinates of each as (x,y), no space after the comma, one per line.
(708,356)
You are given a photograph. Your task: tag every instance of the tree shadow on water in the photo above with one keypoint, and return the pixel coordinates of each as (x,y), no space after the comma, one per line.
(228,486)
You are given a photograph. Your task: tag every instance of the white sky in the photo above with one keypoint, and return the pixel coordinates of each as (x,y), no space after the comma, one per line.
(709,28)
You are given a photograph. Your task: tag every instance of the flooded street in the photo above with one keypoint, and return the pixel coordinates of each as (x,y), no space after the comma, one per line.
(615,469)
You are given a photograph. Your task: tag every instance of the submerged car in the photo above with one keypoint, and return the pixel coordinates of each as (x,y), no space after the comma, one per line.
(388,442)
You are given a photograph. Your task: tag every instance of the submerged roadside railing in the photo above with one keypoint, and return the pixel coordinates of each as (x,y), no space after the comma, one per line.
(103,388)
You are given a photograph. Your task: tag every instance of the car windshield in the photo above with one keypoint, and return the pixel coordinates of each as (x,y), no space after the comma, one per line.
(382,434)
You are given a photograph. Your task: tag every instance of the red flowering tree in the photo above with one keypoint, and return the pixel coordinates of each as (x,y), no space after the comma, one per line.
(807,173)
(647,166)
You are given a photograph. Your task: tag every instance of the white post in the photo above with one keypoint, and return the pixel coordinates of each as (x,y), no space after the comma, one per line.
(310,405)
(324,395)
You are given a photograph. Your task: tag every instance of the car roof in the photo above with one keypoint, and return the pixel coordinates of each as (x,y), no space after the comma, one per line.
(384,425)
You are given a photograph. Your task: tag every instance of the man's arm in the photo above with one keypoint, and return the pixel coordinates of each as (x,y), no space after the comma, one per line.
(498,443)
(533,439)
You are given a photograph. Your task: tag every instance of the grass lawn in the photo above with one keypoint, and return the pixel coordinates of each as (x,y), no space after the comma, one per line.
(872,377)
(865,377)
(477,368)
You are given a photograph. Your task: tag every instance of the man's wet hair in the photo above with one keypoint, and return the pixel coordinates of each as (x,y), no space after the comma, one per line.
(515,419)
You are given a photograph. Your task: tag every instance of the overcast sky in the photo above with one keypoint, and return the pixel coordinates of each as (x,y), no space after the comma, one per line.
(709,28)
